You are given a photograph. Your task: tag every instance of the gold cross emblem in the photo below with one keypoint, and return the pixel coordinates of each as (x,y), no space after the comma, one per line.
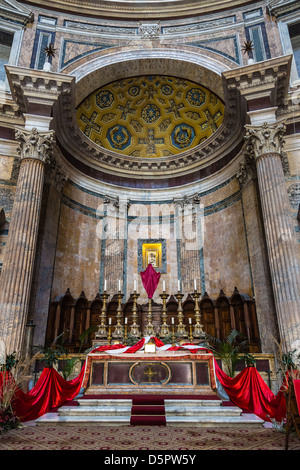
(149,372)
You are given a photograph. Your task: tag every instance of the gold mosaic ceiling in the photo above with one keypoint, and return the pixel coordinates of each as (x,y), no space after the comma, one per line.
(150,116)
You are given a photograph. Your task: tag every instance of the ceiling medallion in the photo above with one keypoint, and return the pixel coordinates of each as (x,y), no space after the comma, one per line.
(150,116)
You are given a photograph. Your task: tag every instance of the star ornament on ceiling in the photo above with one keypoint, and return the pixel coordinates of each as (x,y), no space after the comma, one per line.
(50,51)
(248,47)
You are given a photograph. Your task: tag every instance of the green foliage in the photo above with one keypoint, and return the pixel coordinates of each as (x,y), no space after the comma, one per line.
(227,350)
(69,365)
(10,362)
(50,355)
(288,362)
(249,359)
(130,340)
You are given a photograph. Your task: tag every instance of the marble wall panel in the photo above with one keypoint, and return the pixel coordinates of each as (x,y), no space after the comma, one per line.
(77,263)
(84,259)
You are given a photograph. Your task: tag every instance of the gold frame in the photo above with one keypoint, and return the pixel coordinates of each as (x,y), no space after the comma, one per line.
(152,249)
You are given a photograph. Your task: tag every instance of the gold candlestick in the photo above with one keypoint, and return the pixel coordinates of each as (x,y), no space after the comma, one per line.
(173,335)
(125,333)
(134,329)
(164,330)
(181,327)
(109,334)
(149,330)
(118,333)
(101,333)
(198,328)
(191,333)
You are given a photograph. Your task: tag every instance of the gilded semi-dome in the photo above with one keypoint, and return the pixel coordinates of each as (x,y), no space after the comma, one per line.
(150,116)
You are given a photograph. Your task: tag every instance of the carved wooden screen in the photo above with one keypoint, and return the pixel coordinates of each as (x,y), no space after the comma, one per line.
(223,319)
(208,316)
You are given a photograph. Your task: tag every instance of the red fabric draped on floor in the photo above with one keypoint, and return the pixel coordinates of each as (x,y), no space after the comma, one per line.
(50,391)
(250,392)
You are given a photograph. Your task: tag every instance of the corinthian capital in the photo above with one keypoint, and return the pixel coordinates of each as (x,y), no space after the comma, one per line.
(34,144)
(266,138)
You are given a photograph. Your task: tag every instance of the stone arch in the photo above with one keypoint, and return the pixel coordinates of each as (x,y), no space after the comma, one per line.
(124,62)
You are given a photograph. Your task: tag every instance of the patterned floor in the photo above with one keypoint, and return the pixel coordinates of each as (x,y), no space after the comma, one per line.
(154,438)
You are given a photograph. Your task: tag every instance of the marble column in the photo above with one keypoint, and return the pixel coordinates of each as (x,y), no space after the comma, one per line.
(40,296)
(16,276)
(258,255)
(267,140)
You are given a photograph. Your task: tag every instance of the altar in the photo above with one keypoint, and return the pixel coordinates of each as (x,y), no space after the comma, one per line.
(172,372)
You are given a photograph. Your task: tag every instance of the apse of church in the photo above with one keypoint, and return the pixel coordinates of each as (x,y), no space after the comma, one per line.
(154,160)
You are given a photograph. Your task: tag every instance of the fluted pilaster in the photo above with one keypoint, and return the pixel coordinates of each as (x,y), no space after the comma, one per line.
(34,148)
(280,238)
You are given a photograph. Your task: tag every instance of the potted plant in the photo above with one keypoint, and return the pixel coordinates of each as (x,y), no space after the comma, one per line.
(227,350)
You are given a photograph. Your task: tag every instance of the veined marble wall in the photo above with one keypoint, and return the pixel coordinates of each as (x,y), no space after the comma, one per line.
(85,257)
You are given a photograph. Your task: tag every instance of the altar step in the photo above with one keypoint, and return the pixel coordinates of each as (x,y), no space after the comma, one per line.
(202,412)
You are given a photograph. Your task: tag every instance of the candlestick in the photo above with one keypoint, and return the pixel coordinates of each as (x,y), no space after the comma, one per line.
(149,330)
(134,329)
(164,330)
(118,333)
(102,333)
(180,328)
(198,328)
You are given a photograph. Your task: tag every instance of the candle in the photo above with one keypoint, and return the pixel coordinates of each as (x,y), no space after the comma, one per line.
(190,321)
(134,286)
(126,321)
(109,321)
(164,286)
(105,284)
(195,285)
(119,285)
(178,285)
(172,320)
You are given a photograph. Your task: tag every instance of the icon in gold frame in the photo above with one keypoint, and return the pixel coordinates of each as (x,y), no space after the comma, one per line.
(152,254)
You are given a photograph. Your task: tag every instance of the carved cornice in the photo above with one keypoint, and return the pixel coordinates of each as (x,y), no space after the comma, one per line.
(187,200)
(261,80)
(283,7)
(35,145)
(35,91)
(131,9)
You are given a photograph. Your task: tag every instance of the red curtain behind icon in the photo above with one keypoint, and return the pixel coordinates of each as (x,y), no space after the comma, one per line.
(150,280)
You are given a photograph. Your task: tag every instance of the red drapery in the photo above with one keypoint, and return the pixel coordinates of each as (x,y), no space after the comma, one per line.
(247,390)
(250,392)
(50,391)
(150,280)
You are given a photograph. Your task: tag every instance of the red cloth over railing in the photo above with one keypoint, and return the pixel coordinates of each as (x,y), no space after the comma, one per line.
(50,391)
(150,280)
(249,391)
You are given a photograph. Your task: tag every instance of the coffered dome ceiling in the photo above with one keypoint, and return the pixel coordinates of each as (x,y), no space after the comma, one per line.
(150,116)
